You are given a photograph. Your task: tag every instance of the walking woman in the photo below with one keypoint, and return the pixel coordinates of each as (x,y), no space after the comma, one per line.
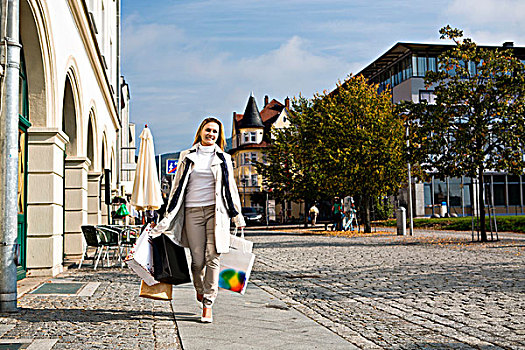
(203,199)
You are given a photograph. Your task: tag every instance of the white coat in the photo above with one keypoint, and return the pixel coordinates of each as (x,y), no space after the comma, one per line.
(173,222)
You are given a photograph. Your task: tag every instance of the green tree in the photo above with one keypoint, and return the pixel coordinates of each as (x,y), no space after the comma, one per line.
(288,169)
(347,142)
(362,145)
(478,121)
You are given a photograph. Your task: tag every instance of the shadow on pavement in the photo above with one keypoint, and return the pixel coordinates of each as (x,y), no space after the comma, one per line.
(85,316)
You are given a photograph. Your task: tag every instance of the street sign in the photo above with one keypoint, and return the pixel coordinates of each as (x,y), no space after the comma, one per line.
(171,166)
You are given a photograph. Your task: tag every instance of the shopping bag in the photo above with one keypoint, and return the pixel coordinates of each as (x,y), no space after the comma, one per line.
(236,266)
(140,257)
(239,243)
(169,261)
(122,210)
(159,291)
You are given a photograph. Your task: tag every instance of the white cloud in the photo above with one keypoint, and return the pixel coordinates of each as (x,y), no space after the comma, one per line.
(176,80)
(479,12)
(489,22)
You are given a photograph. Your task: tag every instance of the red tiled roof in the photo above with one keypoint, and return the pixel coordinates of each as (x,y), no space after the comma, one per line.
(271,111)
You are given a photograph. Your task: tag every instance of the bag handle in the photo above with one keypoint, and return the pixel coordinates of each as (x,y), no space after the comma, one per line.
(235,230)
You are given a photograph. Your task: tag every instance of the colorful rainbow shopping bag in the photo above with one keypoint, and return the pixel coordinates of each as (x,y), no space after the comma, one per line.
(236,266)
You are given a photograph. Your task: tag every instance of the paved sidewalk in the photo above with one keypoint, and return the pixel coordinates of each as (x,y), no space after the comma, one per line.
(256,320)
(435,290)
(106,313)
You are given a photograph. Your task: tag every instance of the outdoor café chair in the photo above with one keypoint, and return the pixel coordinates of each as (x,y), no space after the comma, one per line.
(128,237)
(110,240)
(91,238)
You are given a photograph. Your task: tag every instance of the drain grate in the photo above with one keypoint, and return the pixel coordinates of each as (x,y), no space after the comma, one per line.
(14,346)
(58,288)
(27,343)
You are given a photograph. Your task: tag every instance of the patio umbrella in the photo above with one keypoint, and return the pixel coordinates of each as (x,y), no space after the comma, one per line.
(146,187)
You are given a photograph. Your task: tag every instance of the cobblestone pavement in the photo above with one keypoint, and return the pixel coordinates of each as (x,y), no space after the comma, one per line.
(394,292)
(114,317)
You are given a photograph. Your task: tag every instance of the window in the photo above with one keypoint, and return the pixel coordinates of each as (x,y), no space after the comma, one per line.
(421,66)
(244,180)
(514,190)
(253,136)
(432,64)
(246,137)
(472,68)
(427,193)
(254,157)
(427,95)
(254,180)
(498,186)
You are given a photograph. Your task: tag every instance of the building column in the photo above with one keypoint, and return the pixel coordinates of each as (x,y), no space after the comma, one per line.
(103,205)
(76,204)
(93,212)
(45,201)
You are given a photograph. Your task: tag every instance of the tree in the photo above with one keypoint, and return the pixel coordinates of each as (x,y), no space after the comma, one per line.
(288,170)
(362,143)
(347,142)
(478,121)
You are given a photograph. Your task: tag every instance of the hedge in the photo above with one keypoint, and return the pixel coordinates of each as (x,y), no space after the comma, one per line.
(505,223)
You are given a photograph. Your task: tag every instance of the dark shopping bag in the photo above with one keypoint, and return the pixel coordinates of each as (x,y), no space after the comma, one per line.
(169,261)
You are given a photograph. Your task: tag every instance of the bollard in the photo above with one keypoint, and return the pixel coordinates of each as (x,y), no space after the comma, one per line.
(443,210)
(401,221)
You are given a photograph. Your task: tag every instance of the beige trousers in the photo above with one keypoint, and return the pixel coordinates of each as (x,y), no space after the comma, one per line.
(200,231)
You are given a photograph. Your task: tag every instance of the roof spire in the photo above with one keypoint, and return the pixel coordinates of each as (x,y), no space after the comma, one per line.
(252,117)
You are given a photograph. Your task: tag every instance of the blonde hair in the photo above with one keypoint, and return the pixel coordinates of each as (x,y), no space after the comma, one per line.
(221,139)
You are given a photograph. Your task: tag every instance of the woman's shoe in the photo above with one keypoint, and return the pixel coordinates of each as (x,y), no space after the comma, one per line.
(206,315)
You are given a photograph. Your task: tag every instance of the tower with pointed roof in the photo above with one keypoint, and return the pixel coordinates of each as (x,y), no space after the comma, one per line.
(250,135)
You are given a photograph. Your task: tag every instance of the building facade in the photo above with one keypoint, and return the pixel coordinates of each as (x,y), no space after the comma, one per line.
(251,134)
(70,129)
(402,69)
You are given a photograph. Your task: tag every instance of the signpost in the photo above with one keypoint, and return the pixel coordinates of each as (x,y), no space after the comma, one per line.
(171,166)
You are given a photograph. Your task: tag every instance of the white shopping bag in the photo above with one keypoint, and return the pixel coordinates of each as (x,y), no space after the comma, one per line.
(239,243)
(140,258)
(236,265)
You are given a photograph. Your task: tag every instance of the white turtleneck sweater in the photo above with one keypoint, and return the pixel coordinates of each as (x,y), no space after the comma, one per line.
(200,191)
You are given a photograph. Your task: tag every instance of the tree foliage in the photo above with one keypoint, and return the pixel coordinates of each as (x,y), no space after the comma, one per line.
(347,142)
(478,120)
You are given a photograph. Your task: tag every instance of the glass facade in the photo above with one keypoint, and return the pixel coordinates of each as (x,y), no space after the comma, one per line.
(503,192)
(423,63)
(410,66)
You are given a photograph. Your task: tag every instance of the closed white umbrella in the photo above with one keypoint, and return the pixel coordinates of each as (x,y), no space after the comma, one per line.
(146,187)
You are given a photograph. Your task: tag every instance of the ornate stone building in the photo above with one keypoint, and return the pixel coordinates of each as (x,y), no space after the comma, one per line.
(250,135)
(70,127)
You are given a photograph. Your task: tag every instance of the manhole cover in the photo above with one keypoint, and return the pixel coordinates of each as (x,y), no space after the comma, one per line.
(58,288)
(13,346)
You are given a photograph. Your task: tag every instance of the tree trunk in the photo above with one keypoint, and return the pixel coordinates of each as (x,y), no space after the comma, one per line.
(366,216)
(481,201)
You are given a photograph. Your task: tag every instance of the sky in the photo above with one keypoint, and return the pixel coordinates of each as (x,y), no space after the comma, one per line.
(188,59)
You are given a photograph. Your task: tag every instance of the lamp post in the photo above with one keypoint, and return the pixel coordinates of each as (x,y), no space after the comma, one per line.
(244,180)
(9,248)
(409,184)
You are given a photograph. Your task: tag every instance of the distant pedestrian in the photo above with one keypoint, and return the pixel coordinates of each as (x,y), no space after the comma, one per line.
(337,211)
(314,212)
(203,199)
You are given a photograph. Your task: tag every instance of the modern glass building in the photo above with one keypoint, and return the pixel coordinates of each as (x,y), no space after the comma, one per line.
(402,69)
